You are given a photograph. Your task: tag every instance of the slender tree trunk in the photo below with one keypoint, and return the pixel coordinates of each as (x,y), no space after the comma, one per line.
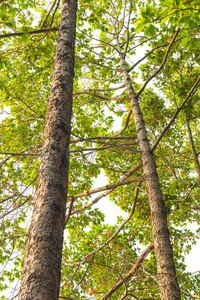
(42,262)
(194,153)
(168,285)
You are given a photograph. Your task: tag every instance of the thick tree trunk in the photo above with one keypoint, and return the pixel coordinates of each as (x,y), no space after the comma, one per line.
(168,285)
(42,263)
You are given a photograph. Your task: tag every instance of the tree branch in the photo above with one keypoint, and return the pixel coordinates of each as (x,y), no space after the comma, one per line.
(48,13)
(176,113)
(106,187)
(92,139)
(120,227)
(29,32)
(128,174)
(190,295)
(100,97)
(130,273)
(161,66)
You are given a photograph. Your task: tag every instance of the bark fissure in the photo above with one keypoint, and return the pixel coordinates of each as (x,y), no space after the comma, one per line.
(42,263)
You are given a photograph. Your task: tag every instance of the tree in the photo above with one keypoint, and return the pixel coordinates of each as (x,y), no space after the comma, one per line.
(42,262)
(99,260)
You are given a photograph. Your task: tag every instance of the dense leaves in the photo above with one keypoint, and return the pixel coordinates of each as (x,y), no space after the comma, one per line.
(103,139)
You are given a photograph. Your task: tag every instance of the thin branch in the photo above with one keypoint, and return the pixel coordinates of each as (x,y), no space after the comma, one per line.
(98,40)
(149,53)
(191,237)
(105,90)
(29,32)
(102,147)
(130,273)
(110,145)
(12,236)
(128,174)
(121,226)
(69,212)
(68,298)
(98,64)
(92,139)
(52,6)
(103,167)
(14,296)
(126,123)
(91,149)
(18,154)
(20,205)
(191,93)
(161,66)
(82,277)
(190,295)
(100,97)
(94,201)
(106,187)
(130,295)
(128,37)
(55,10)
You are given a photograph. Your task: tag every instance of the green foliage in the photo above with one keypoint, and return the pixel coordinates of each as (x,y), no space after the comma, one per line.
(26,65)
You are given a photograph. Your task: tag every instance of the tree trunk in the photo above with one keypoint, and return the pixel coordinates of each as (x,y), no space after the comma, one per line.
(42,262)
(168,285)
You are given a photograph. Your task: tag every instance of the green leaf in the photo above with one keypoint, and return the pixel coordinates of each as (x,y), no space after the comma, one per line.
(1,64)
(167,3)
(25,37)
(195,43)
(152,30)
(185,41)
(164,19)
(139,28)
(139,21)
(178,2)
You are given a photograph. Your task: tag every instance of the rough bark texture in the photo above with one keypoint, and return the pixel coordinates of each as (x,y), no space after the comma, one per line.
(169,289)
(42,263)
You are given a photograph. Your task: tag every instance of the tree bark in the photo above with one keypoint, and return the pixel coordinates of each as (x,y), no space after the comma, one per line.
(42,262)
(168,284)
